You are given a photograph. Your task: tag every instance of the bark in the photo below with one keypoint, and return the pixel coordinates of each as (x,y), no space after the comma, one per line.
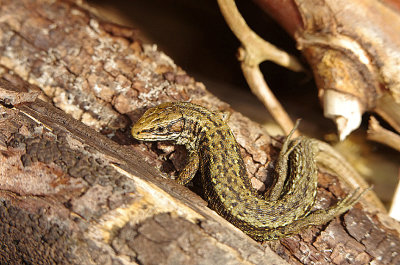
(75,188)
(353,50)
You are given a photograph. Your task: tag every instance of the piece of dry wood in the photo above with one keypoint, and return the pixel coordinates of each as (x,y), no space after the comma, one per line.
(71,195)
(353,49)
(252,53)
(381,135)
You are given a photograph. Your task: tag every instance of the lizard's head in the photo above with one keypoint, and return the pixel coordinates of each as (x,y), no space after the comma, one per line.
(164,122)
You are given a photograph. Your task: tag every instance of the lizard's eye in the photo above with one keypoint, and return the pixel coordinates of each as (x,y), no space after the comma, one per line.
(160,129)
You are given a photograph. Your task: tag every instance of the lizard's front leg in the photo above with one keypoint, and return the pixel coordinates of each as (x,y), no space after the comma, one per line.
(188,173)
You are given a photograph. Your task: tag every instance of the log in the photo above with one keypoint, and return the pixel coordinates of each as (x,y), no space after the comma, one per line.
(75,188)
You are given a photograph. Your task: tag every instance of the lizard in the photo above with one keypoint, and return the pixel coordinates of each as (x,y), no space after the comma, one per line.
(283,211)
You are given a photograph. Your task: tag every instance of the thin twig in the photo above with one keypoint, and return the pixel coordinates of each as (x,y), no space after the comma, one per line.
(260,88)
(381,135)
(255,50)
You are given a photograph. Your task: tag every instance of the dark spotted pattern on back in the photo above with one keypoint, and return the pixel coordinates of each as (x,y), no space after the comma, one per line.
(227,188)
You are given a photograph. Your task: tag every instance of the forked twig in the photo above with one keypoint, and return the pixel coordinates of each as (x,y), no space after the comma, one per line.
(381,135)
(254,51)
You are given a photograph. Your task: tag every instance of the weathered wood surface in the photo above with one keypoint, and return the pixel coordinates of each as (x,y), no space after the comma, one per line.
(72,195)
(353,50)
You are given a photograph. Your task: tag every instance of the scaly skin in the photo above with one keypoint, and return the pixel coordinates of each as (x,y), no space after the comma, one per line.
(213,148)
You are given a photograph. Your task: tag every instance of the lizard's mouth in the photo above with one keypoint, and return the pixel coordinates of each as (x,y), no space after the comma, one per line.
(140,134)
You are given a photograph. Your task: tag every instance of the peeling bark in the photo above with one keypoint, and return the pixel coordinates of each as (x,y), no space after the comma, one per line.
(353,50)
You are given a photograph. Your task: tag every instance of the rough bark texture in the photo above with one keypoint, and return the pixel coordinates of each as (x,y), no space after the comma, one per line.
(72,195)
(352,48)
